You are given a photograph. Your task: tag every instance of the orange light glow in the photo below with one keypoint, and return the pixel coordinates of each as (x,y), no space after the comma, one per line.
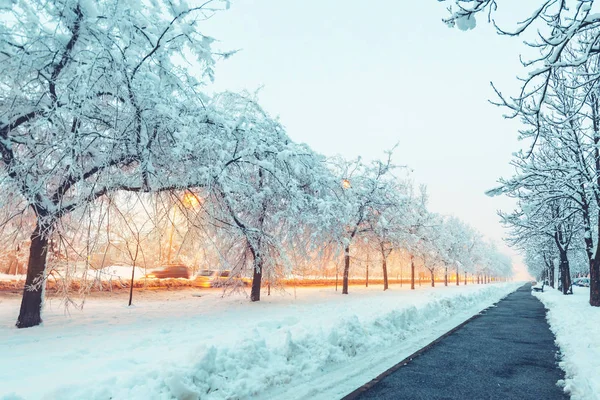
(190,200)
(346,184)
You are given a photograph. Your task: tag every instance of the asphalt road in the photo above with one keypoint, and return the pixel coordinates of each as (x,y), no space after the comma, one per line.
(507,352)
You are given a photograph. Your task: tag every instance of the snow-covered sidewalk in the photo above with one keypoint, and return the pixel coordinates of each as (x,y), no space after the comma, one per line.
(312,343)
(576,326)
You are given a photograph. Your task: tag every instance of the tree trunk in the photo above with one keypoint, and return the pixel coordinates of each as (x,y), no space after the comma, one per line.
(412,272)
(31,303)
(346,269)
(457,277)
(595,261)
(256,279)
(367,277)
(131,286)
(385,274)
(432,279)
(465,278)
(384,268)
(565,273)
(595,280)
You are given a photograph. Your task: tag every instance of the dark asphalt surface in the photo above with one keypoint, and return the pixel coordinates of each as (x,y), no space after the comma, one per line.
(506,353)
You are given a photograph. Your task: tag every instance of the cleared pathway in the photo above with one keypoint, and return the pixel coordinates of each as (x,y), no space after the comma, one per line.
(507,352)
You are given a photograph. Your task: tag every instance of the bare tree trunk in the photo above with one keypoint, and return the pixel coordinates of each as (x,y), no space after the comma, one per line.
(384,267)
(385,274)
(595,282)
(367,277)
(256,280)
(595,261)
(412,272)
(346,269)
(565,273)
(457,277)
(131,286)
(31,303)
(465,278)
(134,257)
(432,279)
(257,271)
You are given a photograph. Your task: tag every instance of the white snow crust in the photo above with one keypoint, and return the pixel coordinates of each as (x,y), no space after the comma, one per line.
(312,343)
(576,326)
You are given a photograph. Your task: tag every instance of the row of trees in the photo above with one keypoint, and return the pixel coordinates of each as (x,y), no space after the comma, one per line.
(100,98)
(557,179)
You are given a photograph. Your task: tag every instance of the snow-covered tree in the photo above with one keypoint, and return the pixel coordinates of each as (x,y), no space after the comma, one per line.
(558,102)
(91,102)
(417,225)
(266,187)
(388,225)
(364,192)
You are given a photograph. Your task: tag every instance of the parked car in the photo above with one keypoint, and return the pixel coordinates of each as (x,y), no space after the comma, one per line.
(585,282)
(170,271)
(214,278)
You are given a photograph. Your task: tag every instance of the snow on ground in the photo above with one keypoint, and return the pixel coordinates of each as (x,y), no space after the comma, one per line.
(11,277)
(113,272)
(312,343)
(576,326)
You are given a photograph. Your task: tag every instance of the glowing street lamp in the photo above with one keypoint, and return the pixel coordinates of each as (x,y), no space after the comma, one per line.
(189,200)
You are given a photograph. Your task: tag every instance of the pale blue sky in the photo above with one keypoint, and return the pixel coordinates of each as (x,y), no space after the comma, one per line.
(355,77)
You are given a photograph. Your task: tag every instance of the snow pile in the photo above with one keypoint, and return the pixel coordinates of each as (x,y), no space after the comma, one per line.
(318,345)
(576,326)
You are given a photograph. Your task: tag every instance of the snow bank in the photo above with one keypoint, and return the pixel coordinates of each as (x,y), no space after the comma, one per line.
(576,326)
(318,344)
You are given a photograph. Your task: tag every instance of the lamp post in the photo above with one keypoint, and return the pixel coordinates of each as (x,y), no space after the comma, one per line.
(346,185)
